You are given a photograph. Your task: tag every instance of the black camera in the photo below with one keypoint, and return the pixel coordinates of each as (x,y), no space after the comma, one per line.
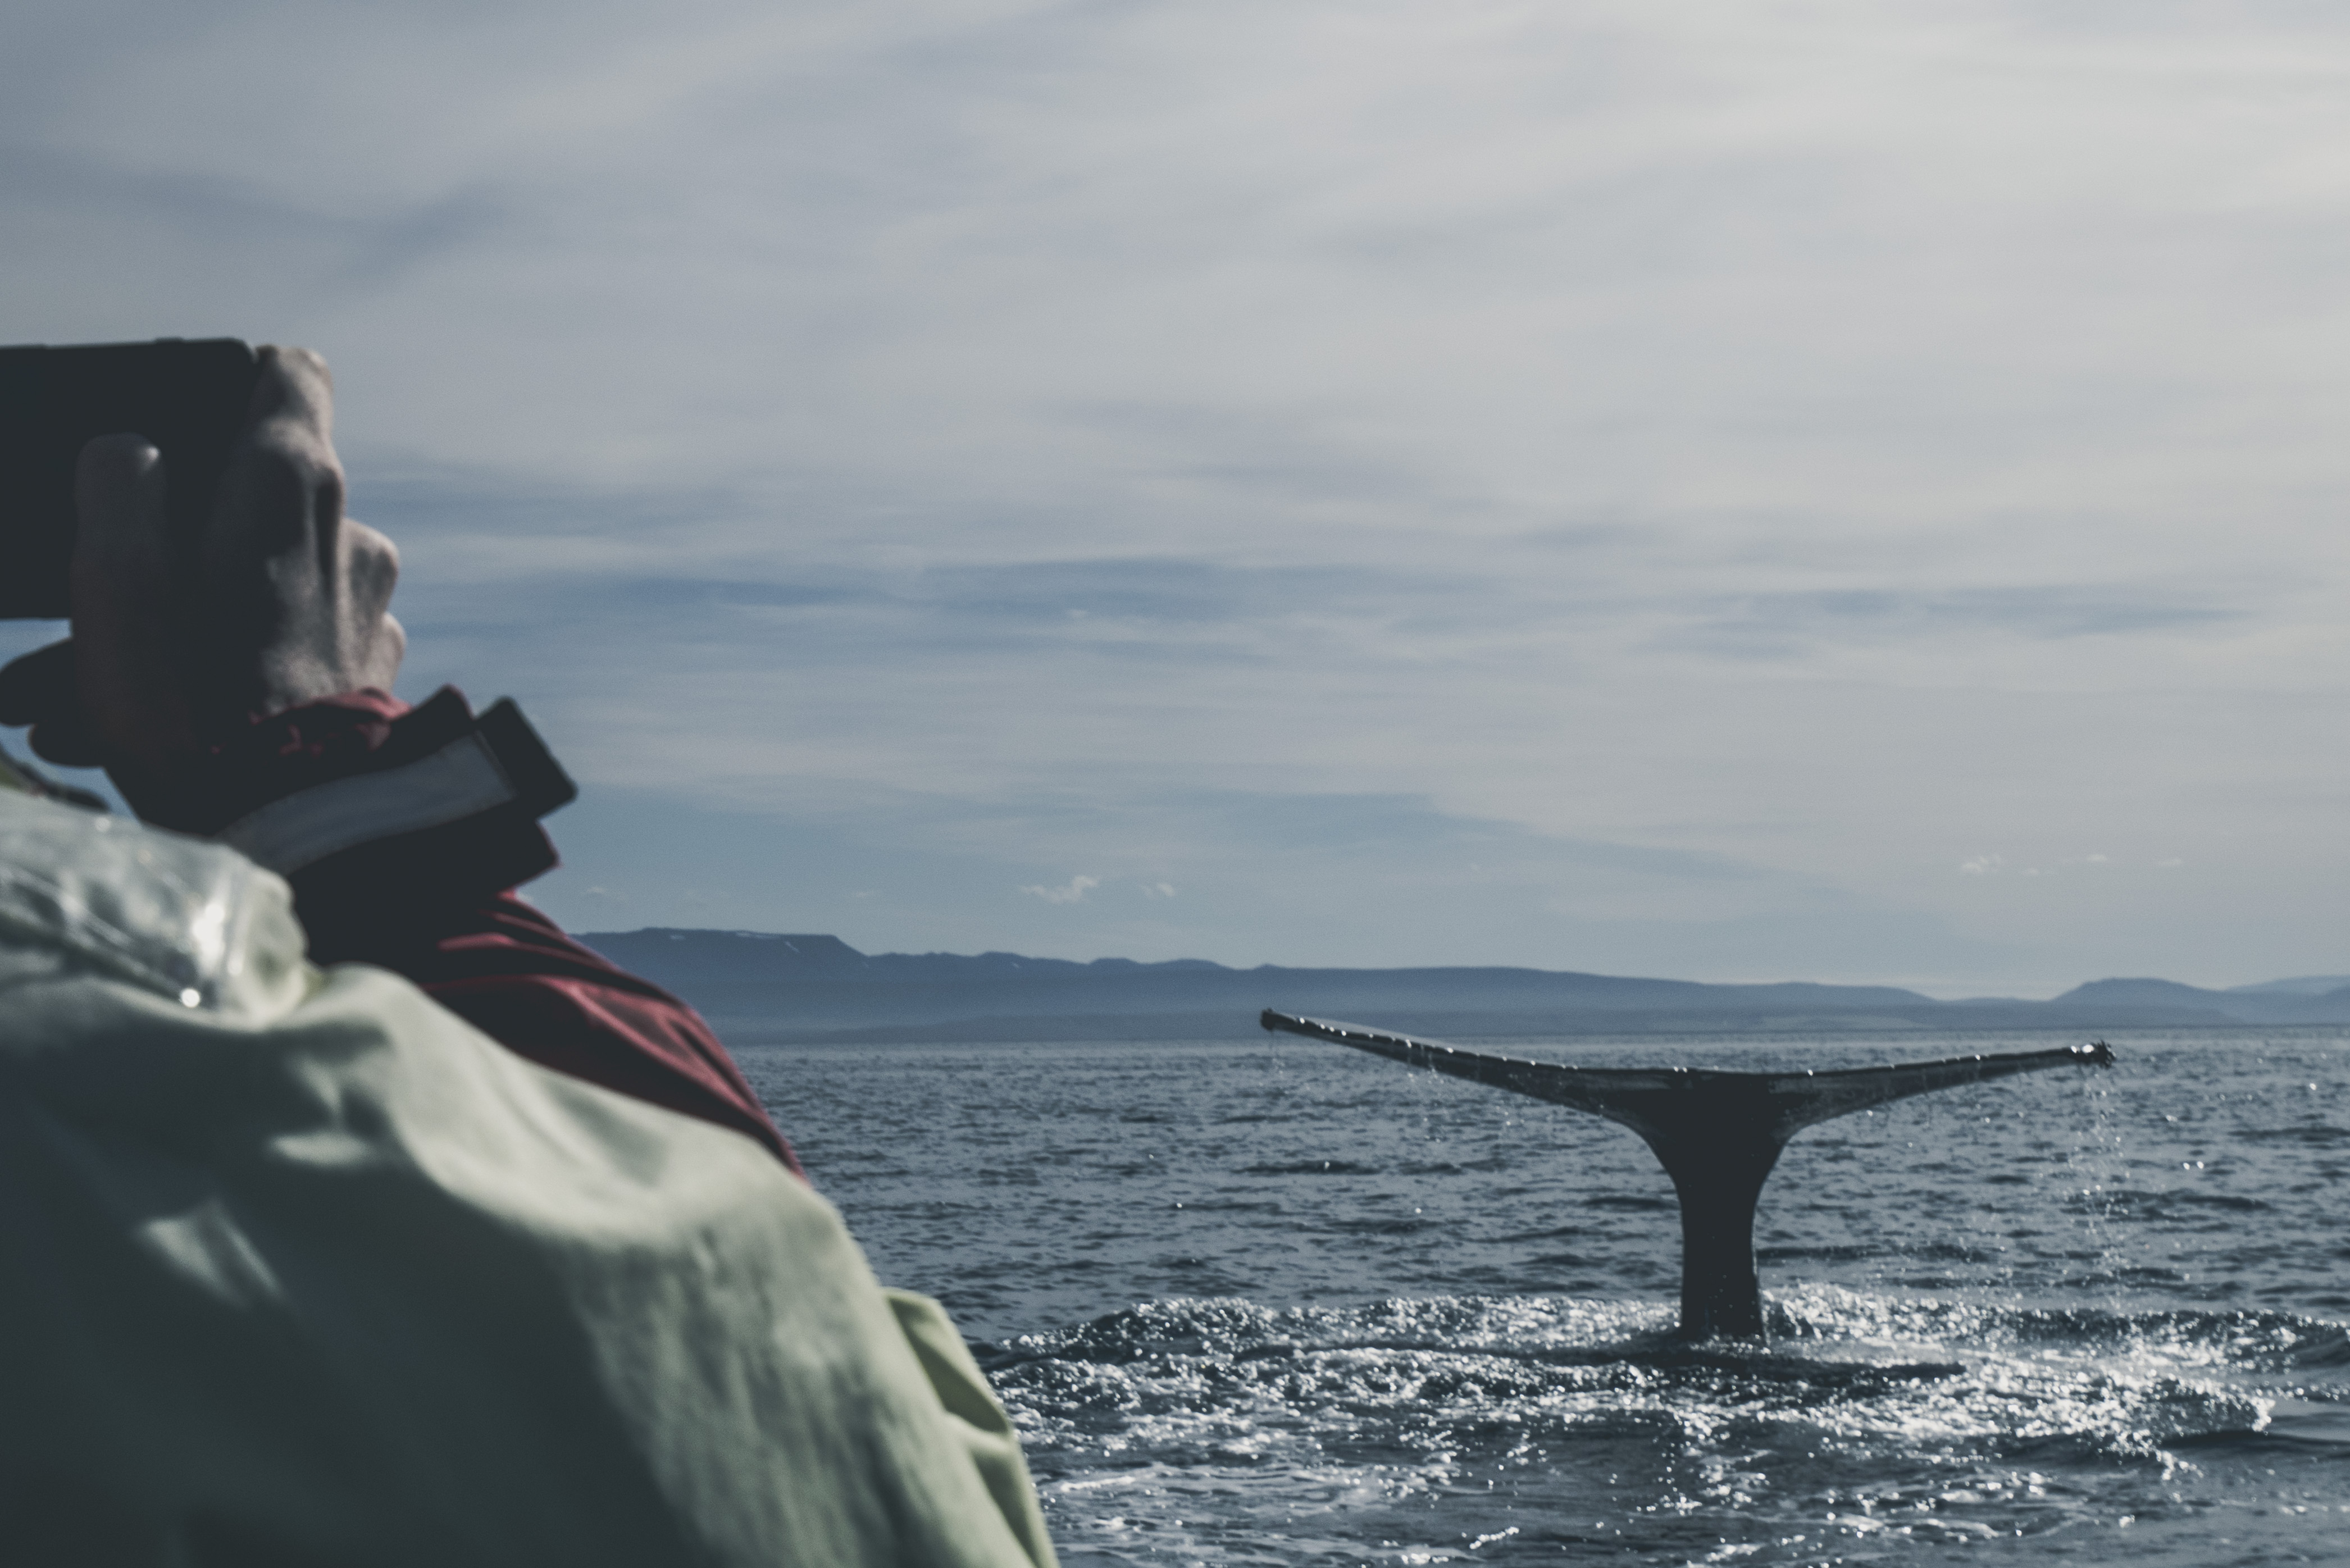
(188,397)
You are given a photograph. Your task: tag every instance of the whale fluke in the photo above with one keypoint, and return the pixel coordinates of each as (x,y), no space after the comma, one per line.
(1717,1134)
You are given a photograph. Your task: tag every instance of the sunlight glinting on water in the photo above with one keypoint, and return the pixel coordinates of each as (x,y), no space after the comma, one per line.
(1291,1306)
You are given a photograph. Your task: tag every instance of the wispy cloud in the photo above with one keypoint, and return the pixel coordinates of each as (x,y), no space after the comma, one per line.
(1072,892)
(1785,625)
(1698,470)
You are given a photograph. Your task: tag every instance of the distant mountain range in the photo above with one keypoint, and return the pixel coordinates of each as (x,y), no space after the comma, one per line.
(758,988)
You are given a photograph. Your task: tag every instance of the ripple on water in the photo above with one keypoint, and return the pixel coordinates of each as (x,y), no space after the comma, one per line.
(1392,1317)
(1874,1418)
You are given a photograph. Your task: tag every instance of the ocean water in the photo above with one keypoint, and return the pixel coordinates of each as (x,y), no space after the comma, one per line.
(1283,1302)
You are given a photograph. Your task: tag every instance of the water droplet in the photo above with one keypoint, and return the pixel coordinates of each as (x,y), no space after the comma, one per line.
(189,997)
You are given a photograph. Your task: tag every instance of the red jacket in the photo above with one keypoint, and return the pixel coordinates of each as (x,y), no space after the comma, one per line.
(403,833)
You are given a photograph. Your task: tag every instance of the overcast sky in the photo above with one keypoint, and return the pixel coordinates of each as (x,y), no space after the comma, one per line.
(1735,490)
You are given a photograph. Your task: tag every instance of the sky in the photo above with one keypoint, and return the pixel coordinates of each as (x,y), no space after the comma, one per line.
(1728,491)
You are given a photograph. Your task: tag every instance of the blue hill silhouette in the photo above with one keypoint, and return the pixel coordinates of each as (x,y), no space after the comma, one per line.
(768,987)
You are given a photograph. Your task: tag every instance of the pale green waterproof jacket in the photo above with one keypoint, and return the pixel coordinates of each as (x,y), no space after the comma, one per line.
(297,1268)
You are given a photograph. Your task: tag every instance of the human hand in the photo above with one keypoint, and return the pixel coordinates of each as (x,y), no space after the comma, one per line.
(176,646)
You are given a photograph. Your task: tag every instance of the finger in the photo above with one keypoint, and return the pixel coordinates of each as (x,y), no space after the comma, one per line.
(295,385)
(283,490)
(118,488)
(37,686)
(383,662)
(127,681)
(120,543)
(371,566)
(370,572)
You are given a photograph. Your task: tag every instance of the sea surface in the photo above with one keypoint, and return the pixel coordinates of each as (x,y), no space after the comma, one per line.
(1283,1302)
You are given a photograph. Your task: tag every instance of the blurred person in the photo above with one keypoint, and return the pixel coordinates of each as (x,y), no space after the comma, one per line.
(349,1211)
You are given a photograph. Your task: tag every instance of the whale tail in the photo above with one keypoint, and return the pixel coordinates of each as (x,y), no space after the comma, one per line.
(1717,1134)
